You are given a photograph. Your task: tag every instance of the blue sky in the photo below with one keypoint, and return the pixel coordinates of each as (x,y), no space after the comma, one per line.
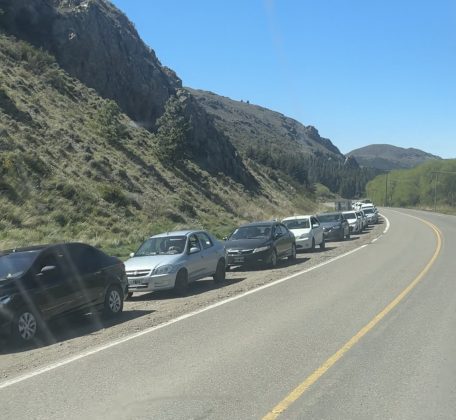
(360,71)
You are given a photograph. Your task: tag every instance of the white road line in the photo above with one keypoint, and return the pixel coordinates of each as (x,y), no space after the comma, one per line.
(387,223)
(114,343)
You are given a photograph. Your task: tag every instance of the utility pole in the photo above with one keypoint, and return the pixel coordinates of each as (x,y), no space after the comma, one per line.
(435,191)
(386,190)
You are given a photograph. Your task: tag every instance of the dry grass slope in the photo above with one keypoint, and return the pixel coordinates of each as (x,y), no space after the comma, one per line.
(72,167)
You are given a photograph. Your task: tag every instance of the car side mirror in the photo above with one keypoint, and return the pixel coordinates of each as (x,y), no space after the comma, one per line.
(46,269)
(132,254)
(225,238)
(277,235)
(194,250)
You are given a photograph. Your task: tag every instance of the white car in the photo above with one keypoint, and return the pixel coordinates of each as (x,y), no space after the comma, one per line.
(307,231)
(353,221)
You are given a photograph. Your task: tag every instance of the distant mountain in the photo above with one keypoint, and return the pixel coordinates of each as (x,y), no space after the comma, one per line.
(388,157)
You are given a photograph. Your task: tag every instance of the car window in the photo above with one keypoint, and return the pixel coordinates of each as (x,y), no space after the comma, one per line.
(252,232)
(315,222)
(162,245)
(14,264)
(297,224)
(279,230)
(205,240)
(193,242)
(284,229)
(86,259)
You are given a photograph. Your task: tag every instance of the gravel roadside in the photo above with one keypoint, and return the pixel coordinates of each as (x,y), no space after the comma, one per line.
(79,333)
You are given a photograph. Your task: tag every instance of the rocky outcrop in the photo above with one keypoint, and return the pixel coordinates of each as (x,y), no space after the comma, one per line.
(210,147)
(96,43)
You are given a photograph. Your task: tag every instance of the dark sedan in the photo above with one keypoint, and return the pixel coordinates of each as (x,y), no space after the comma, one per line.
(44,282)
(335,226)
(261,242)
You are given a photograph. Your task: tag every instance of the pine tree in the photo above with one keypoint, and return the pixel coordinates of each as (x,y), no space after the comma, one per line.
(172,134)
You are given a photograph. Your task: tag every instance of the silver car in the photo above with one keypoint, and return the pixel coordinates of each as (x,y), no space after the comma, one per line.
(172,260)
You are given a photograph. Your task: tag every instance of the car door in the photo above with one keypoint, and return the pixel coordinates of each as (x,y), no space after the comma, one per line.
(55,293)
(289,239)
(89,275)
(195,260)
(280,240)
(317,230)
(209,253)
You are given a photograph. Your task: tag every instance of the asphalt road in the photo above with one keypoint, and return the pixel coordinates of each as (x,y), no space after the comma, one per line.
(317,345)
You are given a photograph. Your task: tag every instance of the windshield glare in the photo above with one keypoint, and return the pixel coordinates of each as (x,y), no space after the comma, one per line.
(297,224)
(167,245)
(13,265)
(252,232)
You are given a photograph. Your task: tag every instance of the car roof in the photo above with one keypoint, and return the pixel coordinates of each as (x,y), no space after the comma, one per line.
(306,216)
(177,233)
(38,247)
(264,223)
(333,213)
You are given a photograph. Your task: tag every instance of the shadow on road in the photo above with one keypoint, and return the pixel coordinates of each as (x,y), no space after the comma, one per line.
(196,288)
(70,327)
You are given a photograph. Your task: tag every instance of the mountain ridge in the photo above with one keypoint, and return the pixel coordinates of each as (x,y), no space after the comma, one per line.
(388,157)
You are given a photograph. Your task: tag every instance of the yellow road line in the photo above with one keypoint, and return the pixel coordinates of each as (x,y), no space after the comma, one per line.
(317,374)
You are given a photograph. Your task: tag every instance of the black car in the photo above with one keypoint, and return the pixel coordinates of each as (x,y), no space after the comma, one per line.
(335,226)
(260,242)
(44,282)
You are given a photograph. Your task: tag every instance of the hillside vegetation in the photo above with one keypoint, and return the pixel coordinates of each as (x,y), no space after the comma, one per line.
(387,157)
(416,187)
(73,167)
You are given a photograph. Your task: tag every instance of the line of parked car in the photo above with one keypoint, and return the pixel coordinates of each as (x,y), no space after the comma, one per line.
(40,283)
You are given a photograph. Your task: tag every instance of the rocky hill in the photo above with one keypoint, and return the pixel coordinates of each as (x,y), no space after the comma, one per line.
(249,125)
(100,143)
(73,167)
(388,157)
(95,42)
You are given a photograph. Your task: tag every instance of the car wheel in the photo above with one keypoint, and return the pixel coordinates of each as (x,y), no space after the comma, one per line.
(181,283)
(219,275)
(273,259)
(312,248)
(113,303)
(292,257)
(341,235)
(323,244)
(348,235)
(129,295)
(25,327)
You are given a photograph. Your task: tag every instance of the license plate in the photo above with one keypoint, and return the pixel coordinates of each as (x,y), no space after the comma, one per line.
(135,281)
(238,259)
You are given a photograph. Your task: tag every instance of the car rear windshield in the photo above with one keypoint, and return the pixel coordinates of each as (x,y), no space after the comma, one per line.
(252,232)
(14,264)
(329,217)
(297,224)
(350,216)
(165,245)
